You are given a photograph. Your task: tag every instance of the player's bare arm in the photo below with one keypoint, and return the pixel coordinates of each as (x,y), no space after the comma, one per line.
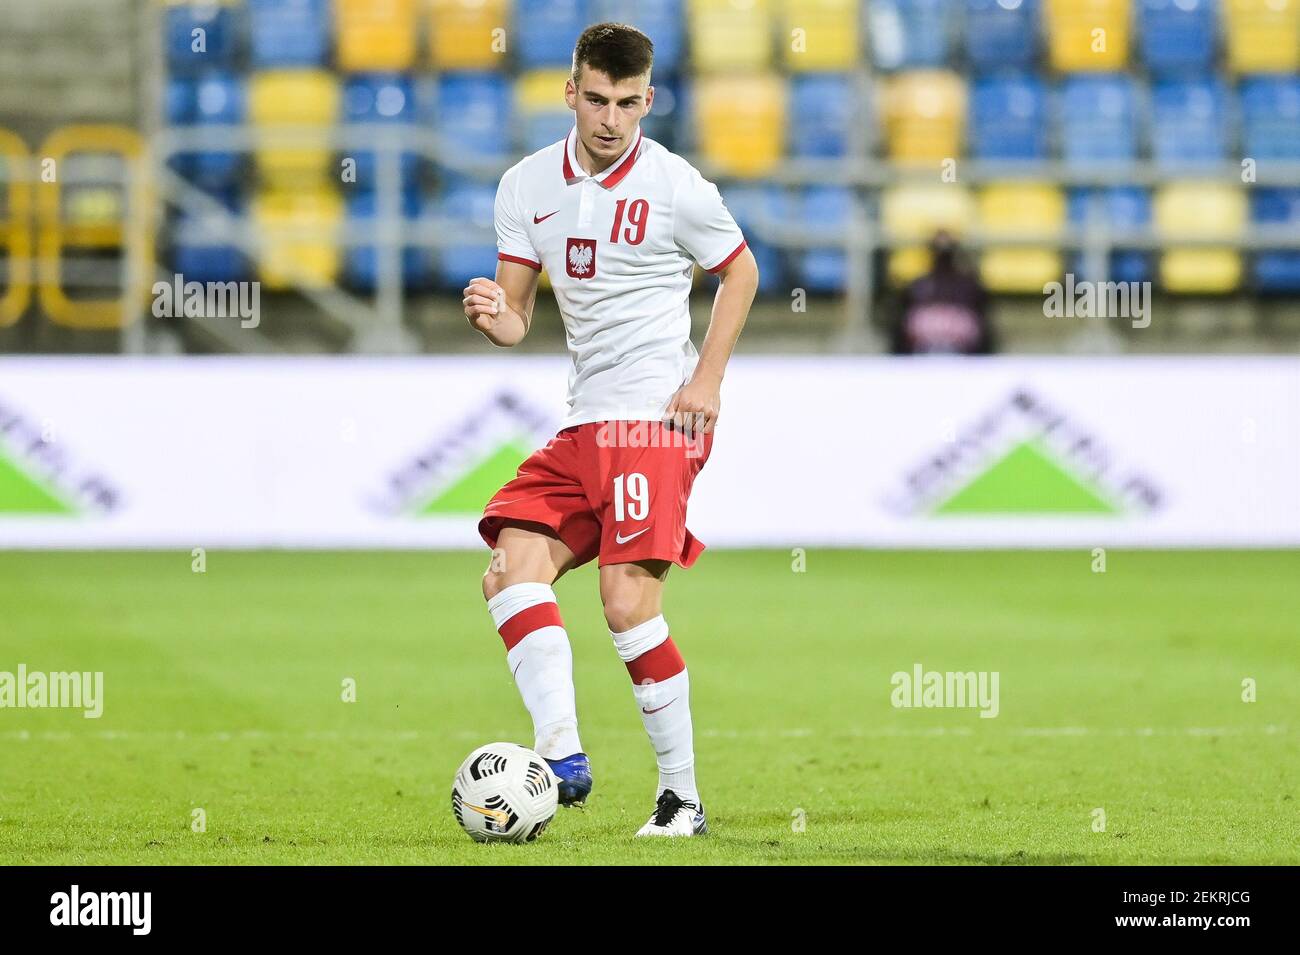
(696,404)
(503,309)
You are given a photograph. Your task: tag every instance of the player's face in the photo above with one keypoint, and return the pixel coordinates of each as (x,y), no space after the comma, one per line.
(608,113)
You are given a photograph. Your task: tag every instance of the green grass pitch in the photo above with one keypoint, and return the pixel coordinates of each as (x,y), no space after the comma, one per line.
(1119,691)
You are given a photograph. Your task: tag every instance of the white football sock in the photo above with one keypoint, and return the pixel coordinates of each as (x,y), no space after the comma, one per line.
(662,687)
(538,653)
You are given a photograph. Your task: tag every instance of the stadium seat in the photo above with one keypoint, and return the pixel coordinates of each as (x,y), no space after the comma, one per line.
(730,35)
(1200,210)
(473,113)
(1002,33)
(213,98)
(1178,36)
(663,122)
(375,35)
(1277,270)
(1113,209)
(819,35)
(294,99)
(467,202)
(1270,108)
(545,30)
(924,116)
(740,122)
(539,103)
(825,209)
(200,37)
(1263,36)
(824,114)
(662,20)
(1087,35)
(911,213)
(361,262)
(285,33)
(1012,209)
(201,252)
(909,34)
(753,205)
(462,34)
(1099,119)
(1189,122)
(379,98)
(1008,118)
(298,232)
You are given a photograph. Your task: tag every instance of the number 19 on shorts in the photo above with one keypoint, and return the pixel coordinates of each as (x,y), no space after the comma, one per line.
(631,497)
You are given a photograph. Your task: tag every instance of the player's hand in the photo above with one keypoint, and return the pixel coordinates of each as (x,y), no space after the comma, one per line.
(485,305)
(694,406)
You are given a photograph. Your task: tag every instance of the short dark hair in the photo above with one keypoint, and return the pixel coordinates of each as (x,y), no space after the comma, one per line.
(616,49)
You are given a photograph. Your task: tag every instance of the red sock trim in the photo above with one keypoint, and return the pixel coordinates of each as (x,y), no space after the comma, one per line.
(526,621)
(657,665)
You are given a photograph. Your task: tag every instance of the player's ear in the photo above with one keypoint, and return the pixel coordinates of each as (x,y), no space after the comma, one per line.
(649,99)
(571,94)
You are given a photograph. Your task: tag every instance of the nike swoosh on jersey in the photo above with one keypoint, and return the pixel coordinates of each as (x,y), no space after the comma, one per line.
(620,539)
(543,218)
(658,708)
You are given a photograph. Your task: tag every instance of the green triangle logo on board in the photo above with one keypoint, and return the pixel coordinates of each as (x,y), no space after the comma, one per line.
(21,493)
(1026,480)
(471,491)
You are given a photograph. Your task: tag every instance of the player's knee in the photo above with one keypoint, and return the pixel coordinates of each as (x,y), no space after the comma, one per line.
(625,611)
(494,581)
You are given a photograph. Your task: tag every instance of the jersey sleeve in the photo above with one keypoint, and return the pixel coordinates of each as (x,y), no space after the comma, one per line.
(513,244)
(702,226)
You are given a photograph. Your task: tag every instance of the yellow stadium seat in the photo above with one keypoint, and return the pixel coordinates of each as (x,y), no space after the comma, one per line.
(740,122)
(375,34)
(730,34)
(538,91)
(1088,35)
(293,99)
(1014,209)
(913,213)
(1263,35)
(819,34)
(298,232)
(924,114)
(463,34)
(1207,211)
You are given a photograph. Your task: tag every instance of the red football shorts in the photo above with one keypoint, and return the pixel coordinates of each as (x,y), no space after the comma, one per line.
(616,490)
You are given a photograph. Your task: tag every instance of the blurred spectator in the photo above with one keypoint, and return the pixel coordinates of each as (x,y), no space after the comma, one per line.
(945,311)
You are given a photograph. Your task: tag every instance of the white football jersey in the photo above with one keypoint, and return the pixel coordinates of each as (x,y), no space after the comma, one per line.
(620,249)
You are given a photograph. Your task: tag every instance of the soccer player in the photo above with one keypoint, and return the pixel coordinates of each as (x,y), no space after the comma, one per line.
(618,222)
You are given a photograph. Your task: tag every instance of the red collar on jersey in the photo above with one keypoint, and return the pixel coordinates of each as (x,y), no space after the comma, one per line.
(615,173)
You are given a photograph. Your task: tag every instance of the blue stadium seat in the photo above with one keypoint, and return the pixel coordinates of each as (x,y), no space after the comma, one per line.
(198,251)
(1099,119)
(1118,208)
(665,117)
(663,21)
(1189,121)
(215,98)
(218,39)
(1277,270)
(1270,109)
(289,32)
(473,113)
(1002,33)
(1178,36)
(823,107)
(474,202)
(822,208)
(1008,118)
(751,202)
(908,34)
(381,98)
(545,31)
(361,262)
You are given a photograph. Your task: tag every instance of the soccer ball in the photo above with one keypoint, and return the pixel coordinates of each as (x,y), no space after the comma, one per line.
(504,792)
